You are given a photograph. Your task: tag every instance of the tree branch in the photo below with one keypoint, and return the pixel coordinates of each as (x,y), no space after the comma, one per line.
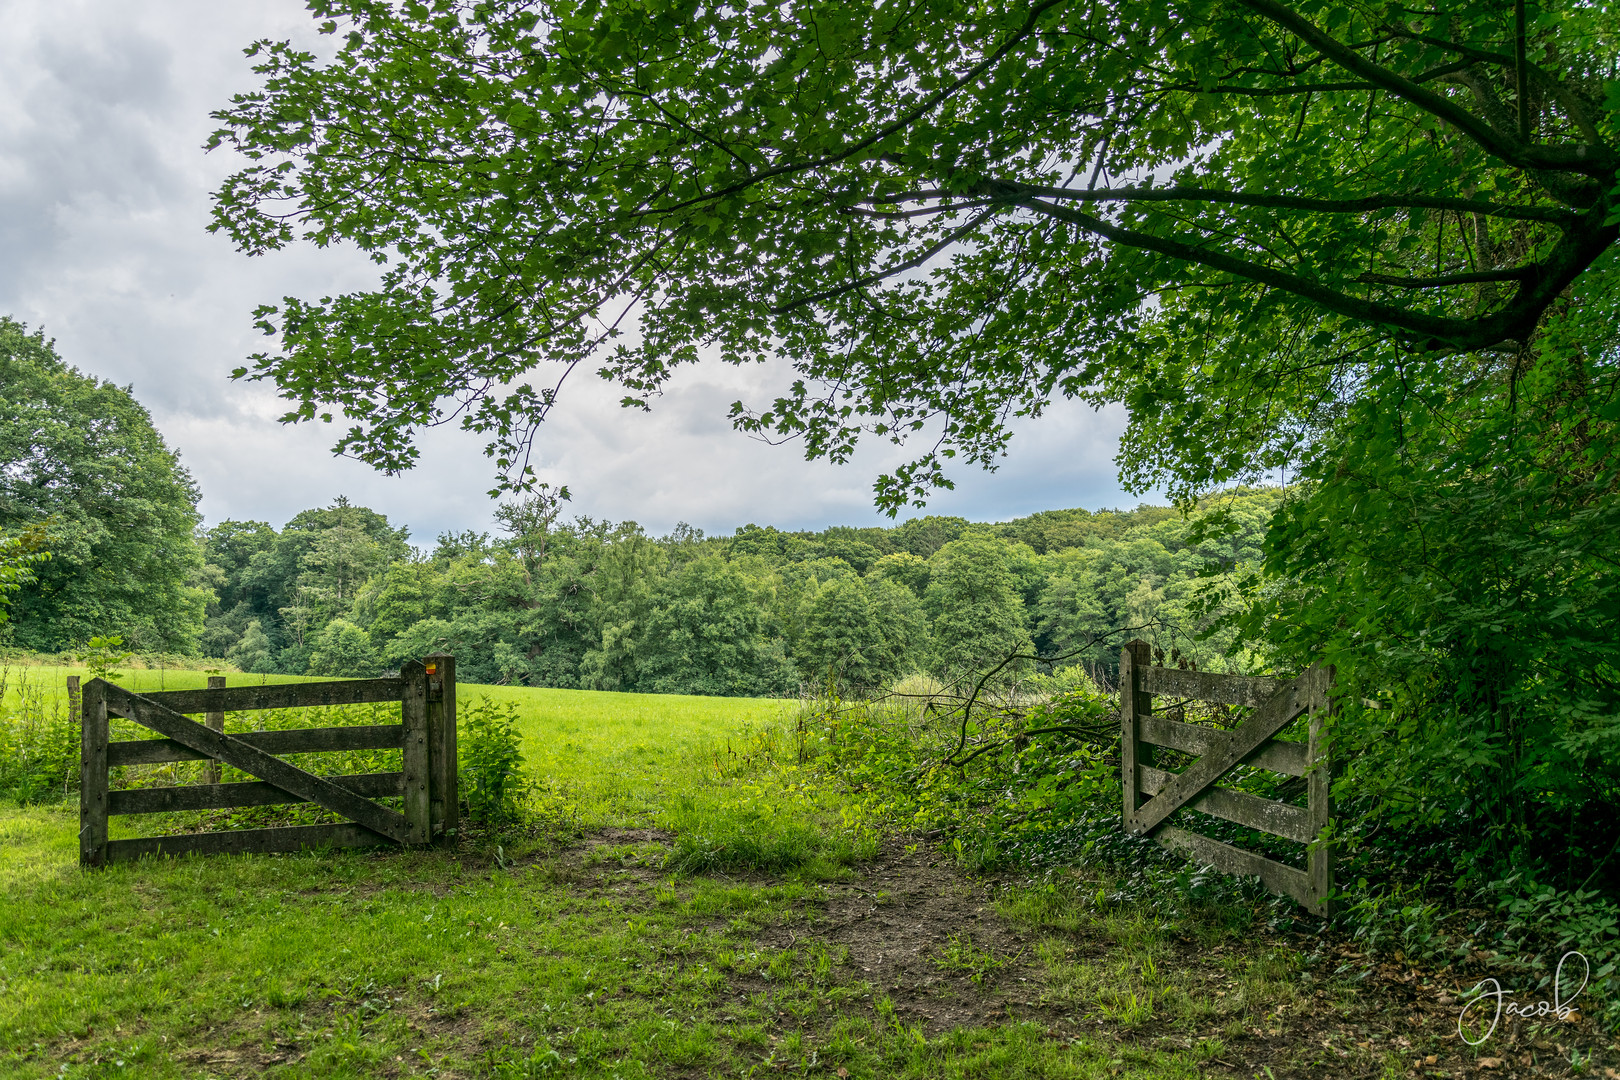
(1573,254)
(1553,215)
(1518,273)
(1572,104)
(1598,162)
(872,279)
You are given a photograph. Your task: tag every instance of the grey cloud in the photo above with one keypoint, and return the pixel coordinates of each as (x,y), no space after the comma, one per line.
(103,207)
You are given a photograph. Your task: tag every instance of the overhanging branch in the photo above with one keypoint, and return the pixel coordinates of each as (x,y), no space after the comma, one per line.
(1598,162)
(1573,254)
(1445,281)
(1553,215)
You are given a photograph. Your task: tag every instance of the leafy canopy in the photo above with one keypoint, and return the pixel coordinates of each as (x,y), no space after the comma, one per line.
(1228,215)
(85,476)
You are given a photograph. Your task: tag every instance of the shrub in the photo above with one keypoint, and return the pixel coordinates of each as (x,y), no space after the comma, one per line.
(490,763)
(39,742)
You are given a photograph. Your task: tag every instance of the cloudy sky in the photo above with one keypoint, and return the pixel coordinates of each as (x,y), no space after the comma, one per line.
(103,202)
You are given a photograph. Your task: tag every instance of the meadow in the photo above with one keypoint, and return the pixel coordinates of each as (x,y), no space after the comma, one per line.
(611,742)
(684,899)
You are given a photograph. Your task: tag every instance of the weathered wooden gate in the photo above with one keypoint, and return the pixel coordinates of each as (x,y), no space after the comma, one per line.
(1153,794)
(426,734)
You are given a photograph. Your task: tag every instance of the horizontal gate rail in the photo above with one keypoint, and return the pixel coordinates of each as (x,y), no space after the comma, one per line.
(1244,690)
(1152,794)
(284,839)
(168,800)
(292,741)
(426,784)
(279,695)
(1278,755)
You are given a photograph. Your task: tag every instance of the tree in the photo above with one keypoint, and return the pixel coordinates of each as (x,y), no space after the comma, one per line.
(977,613)
(343,649)
(628,578)
(861,633)
(528,522)
(397,599)
(85,471)
(706,635)
(905,569)
(253,653)
(1223,214)
(231,546)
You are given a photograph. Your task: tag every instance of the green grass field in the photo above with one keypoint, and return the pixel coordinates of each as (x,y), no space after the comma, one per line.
(683,905)
(616,751)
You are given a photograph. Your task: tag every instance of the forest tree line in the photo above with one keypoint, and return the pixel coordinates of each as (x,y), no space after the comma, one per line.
(108,515)
(606,606)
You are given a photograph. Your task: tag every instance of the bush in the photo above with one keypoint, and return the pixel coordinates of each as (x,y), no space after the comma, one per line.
(490,765)
(39,741)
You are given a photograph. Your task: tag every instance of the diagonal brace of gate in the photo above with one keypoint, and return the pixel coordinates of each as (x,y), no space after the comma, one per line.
(255,762)
(1273,714)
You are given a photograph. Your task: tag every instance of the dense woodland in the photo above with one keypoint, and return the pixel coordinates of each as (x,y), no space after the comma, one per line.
(108,514)
(602,605)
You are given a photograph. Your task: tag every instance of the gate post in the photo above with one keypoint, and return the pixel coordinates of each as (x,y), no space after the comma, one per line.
(1319,781)
(418,749)
(1134,705)
(93,774)
(445,806)
(215,722)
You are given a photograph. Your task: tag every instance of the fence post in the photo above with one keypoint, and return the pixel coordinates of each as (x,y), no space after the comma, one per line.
(413,715)
(1319,781)
(75,701)
(445,812)
(93,774)
(216,722)
(1133,706)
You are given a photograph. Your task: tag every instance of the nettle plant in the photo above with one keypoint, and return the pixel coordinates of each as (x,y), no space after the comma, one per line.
(490,765)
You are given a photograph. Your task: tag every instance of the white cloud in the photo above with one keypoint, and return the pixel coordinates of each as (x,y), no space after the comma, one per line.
(104,200)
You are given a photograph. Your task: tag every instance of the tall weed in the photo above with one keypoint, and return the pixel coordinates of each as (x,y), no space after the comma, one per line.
(490,750)
(39,740)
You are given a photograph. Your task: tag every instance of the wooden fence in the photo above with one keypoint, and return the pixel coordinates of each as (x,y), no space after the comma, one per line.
(1153,794)
(426,735)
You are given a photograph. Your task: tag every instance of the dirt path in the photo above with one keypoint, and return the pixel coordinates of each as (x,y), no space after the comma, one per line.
(938,947)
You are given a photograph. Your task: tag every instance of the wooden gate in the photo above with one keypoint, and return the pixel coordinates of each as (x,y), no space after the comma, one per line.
(426,734)
(1153,794)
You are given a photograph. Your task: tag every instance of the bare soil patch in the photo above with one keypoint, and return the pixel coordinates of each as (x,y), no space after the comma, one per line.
(932,942)
(903,918)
